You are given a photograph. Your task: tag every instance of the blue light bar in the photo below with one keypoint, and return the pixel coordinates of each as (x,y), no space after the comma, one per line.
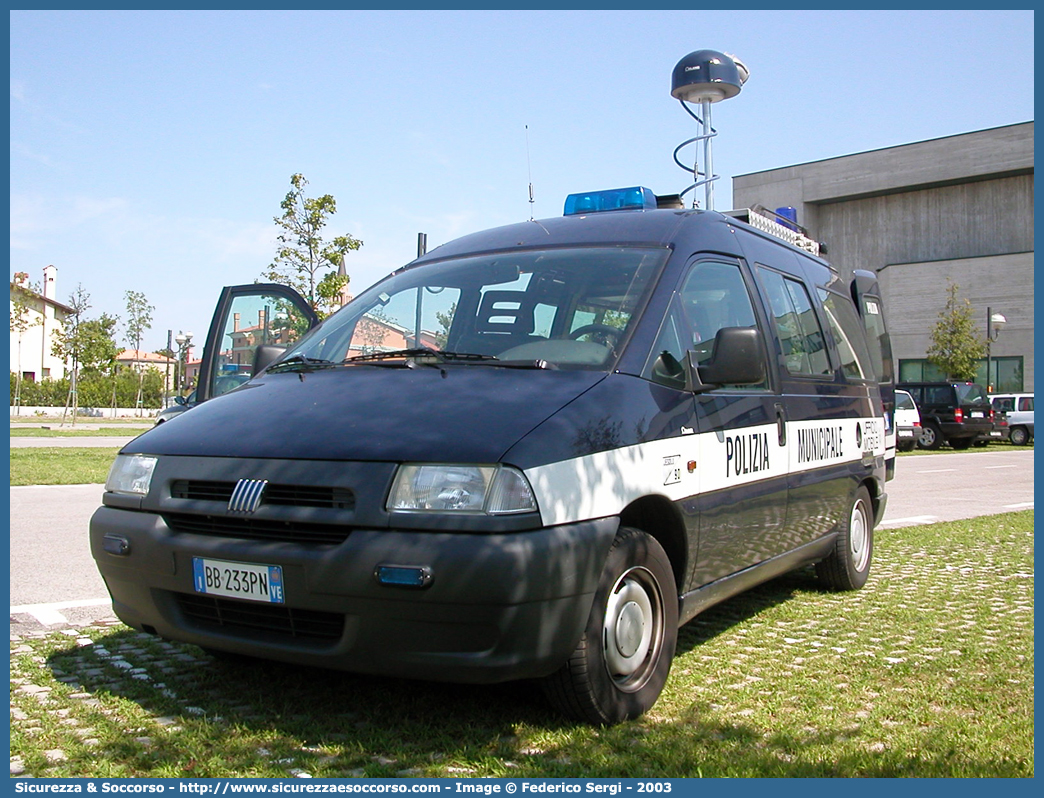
(637,198)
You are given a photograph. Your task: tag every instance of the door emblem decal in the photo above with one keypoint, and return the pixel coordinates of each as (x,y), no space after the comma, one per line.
(672,469)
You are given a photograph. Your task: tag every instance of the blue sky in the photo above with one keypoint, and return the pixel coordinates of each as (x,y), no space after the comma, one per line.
(150,150)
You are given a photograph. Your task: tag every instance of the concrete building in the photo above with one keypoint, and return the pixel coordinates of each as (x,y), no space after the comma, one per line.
(958,208)
(35,316)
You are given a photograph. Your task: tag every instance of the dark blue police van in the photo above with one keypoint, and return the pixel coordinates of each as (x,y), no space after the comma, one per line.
(533,452)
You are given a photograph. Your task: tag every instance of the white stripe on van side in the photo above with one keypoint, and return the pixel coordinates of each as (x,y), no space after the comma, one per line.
(603,484)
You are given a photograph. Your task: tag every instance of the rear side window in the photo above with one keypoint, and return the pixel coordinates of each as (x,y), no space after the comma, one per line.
(971,393)
(800,335)
(877,339)
(848,334)
(903,401)
(1026,403)
(938,395)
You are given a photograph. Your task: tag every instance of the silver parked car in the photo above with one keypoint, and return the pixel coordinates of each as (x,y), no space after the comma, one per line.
(181,404)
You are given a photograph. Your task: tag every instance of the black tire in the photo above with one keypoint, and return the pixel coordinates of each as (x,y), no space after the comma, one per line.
(1020,436)
(848,565)
(931,437)
(906,446)
(960,444)
(621,663)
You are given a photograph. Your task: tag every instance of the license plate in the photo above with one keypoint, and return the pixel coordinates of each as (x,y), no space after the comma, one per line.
(978,414)
(240,580)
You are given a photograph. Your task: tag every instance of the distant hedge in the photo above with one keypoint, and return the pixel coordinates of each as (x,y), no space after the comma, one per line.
(93,389)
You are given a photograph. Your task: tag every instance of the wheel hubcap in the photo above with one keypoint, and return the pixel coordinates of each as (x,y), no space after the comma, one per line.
(858,536)
(633,629)
(630,630)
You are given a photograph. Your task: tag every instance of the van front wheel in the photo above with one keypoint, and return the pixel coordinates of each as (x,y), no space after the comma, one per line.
(848,565)
(621,663)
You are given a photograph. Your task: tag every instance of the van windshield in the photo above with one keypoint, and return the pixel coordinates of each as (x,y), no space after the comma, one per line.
(567,308)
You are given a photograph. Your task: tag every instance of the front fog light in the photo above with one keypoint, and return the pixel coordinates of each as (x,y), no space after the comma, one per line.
(131,473)
(492,490)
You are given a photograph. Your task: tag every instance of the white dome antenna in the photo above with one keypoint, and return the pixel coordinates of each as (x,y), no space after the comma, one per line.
(705,77)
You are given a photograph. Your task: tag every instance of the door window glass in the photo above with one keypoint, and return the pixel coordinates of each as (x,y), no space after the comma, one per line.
(253,321)
(713,296)
(799,332)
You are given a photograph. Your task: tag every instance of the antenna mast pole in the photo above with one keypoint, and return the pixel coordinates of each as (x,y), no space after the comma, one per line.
(708,161)
(529,167)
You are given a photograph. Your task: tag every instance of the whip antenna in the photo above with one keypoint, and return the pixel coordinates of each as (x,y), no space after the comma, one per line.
(529,167)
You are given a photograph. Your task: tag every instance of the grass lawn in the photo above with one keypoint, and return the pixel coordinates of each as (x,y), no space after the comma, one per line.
(47,465)
(998,446)
(65,432)
(928,671)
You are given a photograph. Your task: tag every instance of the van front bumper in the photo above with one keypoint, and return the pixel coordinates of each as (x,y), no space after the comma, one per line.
(497,607)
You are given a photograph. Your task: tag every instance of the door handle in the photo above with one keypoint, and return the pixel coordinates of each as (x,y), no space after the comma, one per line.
(781,424)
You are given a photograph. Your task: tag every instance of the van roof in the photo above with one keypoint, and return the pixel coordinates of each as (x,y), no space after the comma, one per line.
(707,230)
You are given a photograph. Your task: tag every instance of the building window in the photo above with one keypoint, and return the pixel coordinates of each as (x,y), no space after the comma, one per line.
(1006,373)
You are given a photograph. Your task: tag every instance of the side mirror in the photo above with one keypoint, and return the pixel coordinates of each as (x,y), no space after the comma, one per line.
(264,356)
(738,359)
(179,400)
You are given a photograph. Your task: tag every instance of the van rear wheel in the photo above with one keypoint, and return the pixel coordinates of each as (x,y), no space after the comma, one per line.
(621,663)
(1019,436)
(848,565)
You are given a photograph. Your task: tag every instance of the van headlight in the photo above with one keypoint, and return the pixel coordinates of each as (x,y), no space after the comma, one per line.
(131,473)
(489,490)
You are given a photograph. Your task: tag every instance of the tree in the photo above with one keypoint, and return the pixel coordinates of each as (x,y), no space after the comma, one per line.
(445,320)
(98,347)
(956,344)
(22,319)
(68,343)
(139,320)
(139,317)
(304,259)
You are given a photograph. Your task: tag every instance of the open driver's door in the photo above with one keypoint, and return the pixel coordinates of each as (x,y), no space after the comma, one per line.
(249,316)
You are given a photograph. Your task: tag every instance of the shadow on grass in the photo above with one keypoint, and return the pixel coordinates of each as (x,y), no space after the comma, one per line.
(218,716)
(722,617)
(228,715)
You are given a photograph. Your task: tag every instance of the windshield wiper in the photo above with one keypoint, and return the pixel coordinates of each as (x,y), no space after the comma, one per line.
(301,360)
(420,352)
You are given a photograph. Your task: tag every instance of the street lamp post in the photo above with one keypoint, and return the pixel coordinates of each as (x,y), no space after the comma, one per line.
(994,322)
(182,339)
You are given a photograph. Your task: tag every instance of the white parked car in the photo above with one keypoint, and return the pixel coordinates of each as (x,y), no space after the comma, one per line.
(1018,407)
(907,422)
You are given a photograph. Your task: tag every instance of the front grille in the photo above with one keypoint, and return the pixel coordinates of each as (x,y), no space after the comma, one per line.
(285,495)
(256,529)
(272,619)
